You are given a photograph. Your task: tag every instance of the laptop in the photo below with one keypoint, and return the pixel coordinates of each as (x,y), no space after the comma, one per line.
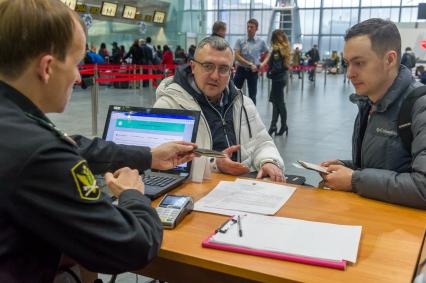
(151,127)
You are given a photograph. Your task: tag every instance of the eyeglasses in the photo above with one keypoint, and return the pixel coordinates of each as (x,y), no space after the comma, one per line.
(210,68)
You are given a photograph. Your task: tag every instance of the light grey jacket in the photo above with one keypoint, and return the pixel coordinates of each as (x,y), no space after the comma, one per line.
(254,151)
(387,171)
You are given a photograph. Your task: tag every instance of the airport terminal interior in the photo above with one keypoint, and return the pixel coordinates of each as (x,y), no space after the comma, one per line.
(320,116)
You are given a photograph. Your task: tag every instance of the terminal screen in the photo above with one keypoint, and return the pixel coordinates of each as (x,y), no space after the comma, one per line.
(149,129)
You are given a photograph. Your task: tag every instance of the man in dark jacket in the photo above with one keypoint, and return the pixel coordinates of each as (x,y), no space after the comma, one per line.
(408,58)
(313,59)
(381,168)
(51,206)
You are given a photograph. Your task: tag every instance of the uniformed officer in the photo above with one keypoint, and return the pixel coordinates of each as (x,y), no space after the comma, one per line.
(50,204)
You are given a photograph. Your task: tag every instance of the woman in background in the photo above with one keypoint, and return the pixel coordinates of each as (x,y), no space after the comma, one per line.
(103,52)
(278,61)
(167,56)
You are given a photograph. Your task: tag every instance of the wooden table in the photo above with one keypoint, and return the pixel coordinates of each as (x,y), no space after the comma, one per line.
(390,244)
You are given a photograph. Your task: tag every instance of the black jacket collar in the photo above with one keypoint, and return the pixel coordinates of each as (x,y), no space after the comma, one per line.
(21,101)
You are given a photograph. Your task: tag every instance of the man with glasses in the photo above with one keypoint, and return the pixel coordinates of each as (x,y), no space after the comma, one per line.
(229,120)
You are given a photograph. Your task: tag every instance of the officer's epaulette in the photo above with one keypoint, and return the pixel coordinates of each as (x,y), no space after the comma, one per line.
(62,135)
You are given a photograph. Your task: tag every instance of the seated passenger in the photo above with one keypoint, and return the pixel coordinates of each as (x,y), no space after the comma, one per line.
(229,120)
(381,167)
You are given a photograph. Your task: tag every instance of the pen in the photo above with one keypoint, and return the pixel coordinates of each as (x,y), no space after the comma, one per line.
(225,226)
(240,231)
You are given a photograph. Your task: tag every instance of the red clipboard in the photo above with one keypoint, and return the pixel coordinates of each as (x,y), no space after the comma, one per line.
(341,265)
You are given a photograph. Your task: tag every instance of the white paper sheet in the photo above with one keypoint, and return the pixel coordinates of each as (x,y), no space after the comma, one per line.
(296,237)
(252,196)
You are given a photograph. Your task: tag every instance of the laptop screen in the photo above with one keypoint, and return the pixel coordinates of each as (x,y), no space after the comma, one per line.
(150,127)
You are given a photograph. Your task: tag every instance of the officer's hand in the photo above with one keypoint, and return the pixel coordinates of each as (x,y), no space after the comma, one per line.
(124,179)
(226,165)
(168,155)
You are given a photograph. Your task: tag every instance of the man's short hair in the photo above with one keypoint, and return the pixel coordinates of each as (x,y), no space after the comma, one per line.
(408,48)
(218,26)
(254,22)
(29,28)
(383,34)
(148,39)
(215,42)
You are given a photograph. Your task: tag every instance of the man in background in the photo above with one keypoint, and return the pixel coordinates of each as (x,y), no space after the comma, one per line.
(313,59)
(219,29)
(247,53)
(408,58)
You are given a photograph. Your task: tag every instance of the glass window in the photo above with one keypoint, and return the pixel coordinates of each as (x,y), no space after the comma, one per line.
(326,21)
(263,4)
(186,21)
(309,3)
(210,19)
(366,3)
(383,13)
(234,4)
(211,4)
(224,4)
(412,2)
(187,5)
(340,3)
(409,15)
(224,17)
(337,43)
(342,19)
(238,22)
(307,42)
(264,19)
(196,5)
(307,21)
(394,16)
(324,47)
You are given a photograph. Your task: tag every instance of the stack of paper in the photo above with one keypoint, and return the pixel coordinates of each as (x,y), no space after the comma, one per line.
(296,240)
(230,198)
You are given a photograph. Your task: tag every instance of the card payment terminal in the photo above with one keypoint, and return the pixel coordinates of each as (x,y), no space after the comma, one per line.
(172,209)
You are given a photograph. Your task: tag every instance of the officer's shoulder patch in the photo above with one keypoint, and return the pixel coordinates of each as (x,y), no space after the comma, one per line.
(85,182)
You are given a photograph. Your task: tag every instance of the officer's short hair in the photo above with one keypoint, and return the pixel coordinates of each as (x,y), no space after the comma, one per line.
(383,34)
(215,42)
(29,28)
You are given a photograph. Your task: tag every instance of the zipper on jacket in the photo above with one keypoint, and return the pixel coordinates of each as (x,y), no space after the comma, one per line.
(222,117)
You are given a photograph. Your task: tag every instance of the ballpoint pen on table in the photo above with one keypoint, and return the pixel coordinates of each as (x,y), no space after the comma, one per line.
(240,231)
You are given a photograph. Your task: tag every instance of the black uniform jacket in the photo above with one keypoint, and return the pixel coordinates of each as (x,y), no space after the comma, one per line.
(50,204)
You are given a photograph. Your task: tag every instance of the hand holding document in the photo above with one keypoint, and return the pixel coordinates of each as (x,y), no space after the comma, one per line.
(230,198)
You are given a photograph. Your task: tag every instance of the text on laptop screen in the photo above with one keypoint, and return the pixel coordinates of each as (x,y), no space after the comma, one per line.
(148,129)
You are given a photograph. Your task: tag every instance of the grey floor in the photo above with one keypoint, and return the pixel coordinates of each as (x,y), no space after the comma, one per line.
(320,121)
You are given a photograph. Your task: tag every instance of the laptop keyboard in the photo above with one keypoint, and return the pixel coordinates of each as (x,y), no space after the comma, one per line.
(157,181)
